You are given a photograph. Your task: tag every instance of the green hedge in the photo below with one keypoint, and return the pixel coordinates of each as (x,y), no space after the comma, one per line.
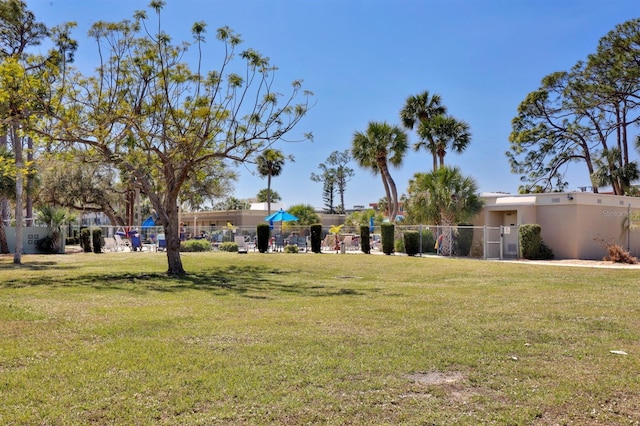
(411,242)
(464,239)
(387,233)
(96,239)
(531,244)
(85,240)
(263,232)
(196,245)
(316,238)
(228,246)
(365,241)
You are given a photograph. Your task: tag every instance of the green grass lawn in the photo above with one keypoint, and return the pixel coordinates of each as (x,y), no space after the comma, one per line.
(315,339)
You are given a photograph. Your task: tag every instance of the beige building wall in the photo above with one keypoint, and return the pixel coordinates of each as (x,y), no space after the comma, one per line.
(574,225)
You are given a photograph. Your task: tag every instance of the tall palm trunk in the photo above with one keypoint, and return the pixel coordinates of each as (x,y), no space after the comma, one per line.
(446,246)
(390,188)
(434,154)
(269,195)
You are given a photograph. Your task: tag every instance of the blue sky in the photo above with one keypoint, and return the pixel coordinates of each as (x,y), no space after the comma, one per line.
(363,58)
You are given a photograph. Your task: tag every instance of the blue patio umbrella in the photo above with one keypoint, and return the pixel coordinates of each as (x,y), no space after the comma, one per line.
(280,216)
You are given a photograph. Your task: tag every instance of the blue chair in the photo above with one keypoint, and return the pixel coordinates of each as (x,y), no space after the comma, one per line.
(136,242)
(162,243)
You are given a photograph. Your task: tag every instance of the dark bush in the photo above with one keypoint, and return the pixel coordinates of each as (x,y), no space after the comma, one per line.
(365,241)
(531,245)
(85,239)
(96,239)
(411,242)
(464,239)
(45,245)
(387,234)
(263,232)
(316,238)
(428,241)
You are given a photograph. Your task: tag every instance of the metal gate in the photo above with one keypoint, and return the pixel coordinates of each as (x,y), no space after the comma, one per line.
(500,242)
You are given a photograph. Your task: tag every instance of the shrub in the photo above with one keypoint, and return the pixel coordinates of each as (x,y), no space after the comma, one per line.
(316,238)
(45,245)
(464,239)
(615,253)
(428,241)
(229,245)
(96,240)
(387,234)
(85,239)
(290,248)
(365,241)
(197,245)
(411,242)
(398,246)
(263,231)
(531,245)
(73,239)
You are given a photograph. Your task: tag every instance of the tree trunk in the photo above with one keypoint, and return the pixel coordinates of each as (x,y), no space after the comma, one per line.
(4,246)
(269,195)
(29,186)
(446,246)
(387,192)
(17,149)
(172,238)
(390,188)
(4,212)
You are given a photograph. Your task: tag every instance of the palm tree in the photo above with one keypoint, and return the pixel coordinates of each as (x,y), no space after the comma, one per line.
(270,163)
(443,197)
(441,134)
(610,170)
(420,109)
(54,217)
(265,195)
(374,149)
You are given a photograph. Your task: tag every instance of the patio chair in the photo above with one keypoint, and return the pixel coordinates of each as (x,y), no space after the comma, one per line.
(299,241)
(121,243)
(242,244)
(348,242)
(162,243)
(136,242)
(279,243)
(328,243)
(109,244)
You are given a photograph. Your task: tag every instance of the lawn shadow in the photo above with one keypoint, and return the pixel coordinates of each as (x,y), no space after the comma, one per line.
(34,266)
(249,281)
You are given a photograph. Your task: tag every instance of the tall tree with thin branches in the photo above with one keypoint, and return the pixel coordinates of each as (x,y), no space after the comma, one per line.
(25,81)
(163,121)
